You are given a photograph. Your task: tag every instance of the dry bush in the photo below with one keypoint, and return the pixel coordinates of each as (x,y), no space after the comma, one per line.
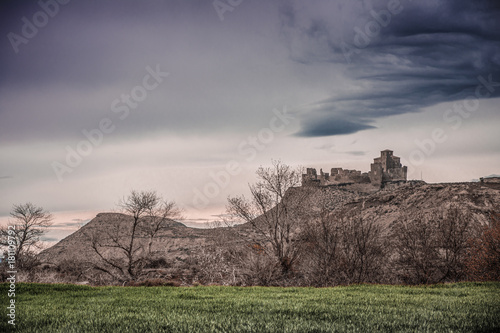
(157,263)
(432,247)
(237,264)
(256,268)
(342,248)
(484,255)
(154,283)
(215,265)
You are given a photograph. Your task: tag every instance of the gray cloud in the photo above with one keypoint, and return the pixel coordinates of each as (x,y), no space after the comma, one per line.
(356,153)
(90,53)
(431,52)
(66,77)
(329,125)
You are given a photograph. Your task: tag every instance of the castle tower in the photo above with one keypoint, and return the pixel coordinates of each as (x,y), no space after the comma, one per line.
(386,158)
(387,168)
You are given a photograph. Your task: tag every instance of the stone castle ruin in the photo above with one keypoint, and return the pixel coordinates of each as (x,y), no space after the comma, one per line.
(385,169)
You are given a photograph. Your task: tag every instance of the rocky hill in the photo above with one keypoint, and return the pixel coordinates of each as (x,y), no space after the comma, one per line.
(174,241)
(178,242)
(386,206)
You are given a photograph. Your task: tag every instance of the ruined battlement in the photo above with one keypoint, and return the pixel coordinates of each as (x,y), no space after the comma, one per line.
(385,169)
(490,180)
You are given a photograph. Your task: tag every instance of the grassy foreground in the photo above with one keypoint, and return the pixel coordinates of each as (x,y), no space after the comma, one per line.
(462,307)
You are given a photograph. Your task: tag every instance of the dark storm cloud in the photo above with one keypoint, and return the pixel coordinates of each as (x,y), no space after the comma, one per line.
(230,74)
(428,53)
(323,126)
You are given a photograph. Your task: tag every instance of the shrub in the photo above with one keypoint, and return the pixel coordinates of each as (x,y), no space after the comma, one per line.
(484,255)
(154,283)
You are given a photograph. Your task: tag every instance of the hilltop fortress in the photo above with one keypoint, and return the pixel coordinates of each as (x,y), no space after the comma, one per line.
(385,169)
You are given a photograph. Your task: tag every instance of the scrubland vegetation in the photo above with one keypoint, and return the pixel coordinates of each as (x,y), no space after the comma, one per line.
(290,236)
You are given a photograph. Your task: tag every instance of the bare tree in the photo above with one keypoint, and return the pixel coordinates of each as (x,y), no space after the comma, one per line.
(322,242)
(157,215)
(273,212)
(363,251)
(415,246)
(343,248)
(29,223)
(432,246)
(454,228)
(125,247)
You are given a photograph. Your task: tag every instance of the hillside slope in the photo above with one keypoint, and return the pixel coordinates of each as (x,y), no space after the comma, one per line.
(178,242)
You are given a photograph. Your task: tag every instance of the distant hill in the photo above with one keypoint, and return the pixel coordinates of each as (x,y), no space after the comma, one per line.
(176,241)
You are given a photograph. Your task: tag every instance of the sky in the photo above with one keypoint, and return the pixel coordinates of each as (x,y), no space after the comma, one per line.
(189,98)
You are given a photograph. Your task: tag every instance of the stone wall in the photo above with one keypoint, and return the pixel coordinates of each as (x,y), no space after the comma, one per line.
(490,180)
(384,169)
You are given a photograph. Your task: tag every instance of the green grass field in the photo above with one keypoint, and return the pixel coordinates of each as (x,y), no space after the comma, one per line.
(462,307)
